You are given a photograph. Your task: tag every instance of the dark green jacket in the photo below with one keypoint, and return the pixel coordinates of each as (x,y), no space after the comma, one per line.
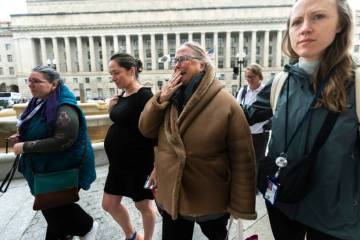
(332,203)
(54,161)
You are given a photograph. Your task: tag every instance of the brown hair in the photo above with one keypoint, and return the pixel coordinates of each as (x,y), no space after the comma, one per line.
(127,61)
(255,69)
(336,64)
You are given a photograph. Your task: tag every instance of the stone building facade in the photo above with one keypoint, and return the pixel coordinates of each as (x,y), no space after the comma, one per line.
(79,36)
(7,58)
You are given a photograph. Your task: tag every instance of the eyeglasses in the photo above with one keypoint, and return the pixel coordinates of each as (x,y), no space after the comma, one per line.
(182,59)
(35,81)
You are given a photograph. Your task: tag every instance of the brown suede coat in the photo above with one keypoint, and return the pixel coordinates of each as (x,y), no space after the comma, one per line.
(205,158)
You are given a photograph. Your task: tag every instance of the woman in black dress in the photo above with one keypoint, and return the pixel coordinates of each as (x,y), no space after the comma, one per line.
(130,154)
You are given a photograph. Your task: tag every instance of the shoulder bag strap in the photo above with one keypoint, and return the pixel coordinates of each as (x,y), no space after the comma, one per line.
(10,175)
(324,133)
(243,94)
(276,87)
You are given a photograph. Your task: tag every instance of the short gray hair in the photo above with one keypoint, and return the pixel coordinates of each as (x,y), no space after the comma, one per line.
(49,73)
(199,51)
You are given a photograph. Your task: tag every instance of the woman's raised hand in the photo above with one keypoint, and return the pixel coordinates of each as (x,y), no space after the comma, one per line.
(113,101)
(170,87)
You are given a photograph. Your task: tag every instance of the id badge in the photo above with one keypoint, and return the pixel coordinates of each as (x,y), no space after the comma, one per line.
(271,190)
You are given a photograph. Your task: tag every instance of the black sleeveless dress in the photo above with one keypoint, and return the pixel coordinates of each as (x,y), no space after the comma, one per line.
(130,154)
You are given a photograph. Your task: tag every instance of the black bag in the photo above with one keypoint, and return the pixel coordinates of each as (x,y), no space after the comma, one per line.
(295,178)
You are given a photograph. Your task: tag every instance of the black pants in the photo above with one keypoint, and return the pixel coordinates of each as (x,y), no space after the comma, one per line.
(260,141)
(68,220)
(181,229)
(284,228)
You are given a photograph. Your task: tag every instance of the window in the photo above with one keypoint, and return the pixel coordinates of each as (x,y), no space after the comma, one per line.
(98,79)
(221,51)
(100,93)
(11,71)
(7,46)
(221,76)
(356,48)
(76,92)
(148,66)
(75,80)
(87,80)
(257,50)
(148,53)
(112,92)
(88,93)
(9,57)
(221,63)
(1,71)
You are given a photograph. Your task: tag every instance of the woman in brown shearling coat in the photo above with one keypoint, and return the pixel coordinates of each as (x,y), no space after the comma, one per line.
(204,165)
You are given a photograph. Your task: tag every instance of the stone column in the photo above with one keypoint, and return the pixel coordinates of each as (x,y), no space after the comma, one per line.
(190,36)
(253,47)
(68,54)
(80,54)
(56,59)
(92,54)
(241,43)
(266,49)
(228,50)
(203,40)
(43,51)
(116,43)
(216,54)
(166,50)
(153,52)
(177,40)
(104,54)
(141,47)
(128,44)
(278,49)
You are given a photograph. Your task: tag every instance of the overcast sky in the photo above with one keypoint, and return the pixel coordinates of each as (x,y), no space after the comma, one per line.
(8,7)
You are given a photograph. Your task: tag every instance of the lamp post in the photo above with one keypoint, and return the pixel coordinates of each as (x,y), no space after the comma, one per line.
(241,61)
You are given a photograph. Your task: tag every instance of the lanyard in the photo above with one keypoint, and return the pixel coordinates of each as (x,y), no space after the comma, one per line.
(33,112)
(306,115)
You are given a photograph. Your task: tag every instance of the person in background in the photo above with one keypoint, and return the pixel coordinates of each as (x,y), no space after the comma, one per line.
(318,37)
(204,166)
(247,96)
(52,132)
(130,154)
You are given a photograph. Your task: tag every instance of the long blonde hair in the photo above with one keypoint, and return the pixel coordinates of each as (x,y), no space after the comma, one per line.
(336,64)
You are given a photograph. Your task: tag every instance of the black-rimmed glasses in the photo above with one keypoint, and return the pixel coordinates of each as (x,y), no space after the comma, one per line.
(182,59)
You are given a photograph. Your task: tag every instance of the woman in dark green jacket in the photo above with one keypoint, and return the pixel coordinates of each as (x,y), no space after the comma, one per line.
(53,137)
(318,37)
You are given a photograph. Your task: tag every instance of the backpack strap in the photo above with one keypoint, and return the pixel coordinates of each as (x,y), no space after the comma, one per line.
(243,94)
(357,93)
(276,87)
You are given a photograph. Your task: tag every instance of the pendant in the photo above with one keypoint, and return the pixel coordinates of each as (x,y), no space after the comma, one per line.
(281,162)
